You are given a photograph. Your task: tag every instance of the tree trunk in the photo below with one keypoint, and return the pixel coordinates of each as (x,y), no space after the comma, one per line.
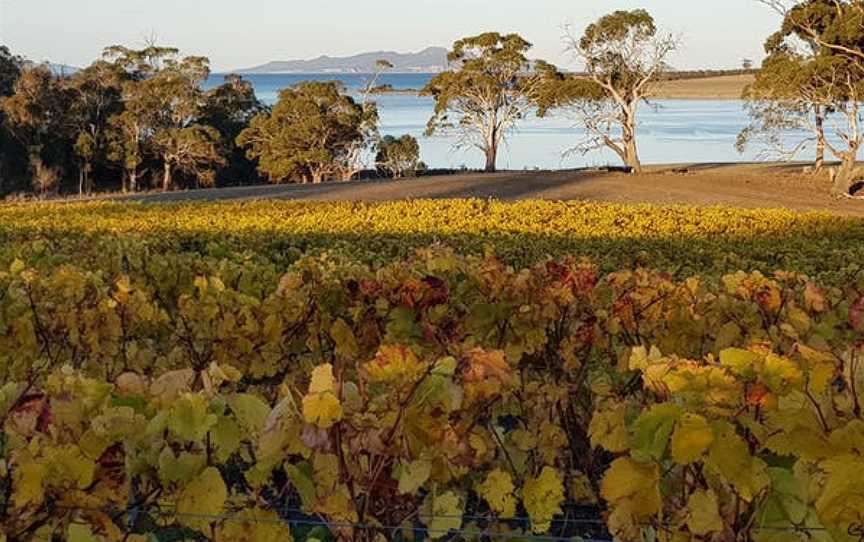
(628,133)
(491,157)
(133,181)
(631,155)
(820,141)
(845,175)
(166,178)
(80,182)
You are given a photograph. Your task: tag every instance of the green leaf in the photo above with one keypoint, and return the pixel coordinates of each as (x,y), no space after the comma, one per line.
(346,343)
(652,429)
(189,418)
(250,411)
(703,513)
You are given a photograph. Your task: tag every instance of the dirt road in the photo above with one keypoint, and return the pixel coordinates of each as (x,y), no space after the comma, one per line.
(752,186)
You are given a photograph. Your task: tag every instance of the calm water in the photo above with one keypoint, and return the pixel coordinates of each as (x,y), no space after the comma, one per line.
(673,131)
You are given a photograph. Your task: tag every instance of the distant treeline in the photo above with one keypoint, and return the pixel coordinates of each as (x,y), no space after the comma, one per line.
(704,74)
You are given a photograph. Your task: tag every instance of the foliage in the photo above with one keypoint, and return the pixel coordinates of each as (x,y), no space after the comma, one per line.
(139,111)
(808,75)
(624,56)
(147,239)
(490,88)
(36,115)
(398,157)
(431,394)
(315,132)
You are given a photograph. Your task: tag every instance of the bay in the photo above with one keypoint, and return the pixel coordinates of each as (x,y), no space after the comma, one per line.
(670,131)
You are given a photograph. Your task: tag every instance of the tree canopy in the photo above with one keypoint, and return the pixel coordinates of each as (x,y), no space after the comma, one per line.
(315,132)
(624,55)
(815,67)
(489,89)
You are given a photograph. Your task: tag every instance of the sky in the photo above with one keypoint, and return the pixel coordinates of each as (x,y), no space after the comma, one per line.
(235,34)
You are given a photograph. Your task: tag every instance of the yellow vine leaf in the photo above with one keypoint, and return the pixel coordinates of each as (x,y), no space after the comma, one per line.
(29,479)
(542,497)
(254,525)
(322,409)
(322,379)
(202,498)
(608,428)
(703,513)
(691,439)
(189,418)
(841,500)
(442,513)
(634,485)
(250,411)
(78,532)
(413,475)
(781,374)
(821,367)
(343,336)
(498,490)
(729,458)
(741,362)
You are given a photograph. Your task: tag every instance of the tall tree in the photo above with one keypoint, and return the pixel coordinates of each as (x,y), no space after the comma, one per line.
(788,96)
(96,96)
(10,71)
(311,135)
(831,35)
(229,108)
(624,55)
(398,157)
(488,91)
(37,114)
(163,104)
(834,25)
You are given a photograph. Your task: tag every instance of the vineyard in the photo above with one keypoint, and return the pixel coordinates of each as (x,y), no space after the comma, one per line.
(430,371)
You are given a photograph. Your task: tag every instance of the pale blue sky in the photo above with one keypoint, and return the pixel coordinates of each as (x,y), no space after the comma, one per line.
(243,33)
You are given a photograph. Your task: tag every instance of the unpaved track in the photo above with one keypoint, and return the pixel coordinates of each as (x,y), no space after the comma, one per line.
(750,186)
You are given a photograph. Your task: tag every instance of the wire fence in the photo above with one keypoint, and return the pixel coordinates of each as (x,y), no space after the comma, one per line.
(472,534)
(284,517)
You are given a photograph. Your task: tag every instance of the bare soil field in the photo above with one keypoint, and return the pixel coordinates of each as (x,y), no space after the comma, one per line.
(726,87)
(736,185)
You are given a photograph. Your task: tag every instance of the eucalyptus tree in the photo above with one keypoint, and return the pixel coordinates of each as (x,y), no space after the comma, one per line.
(822,45)
(398,157)
(37,115)
(164,102)
(311,134)
(10,71)
(490,87)
(837,26)
(624,55)
(788,97)
(229,108)
(96,95)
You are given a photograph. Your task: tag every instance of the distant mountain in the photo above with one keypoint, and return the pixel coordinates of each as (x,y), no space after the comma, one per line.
(430,60)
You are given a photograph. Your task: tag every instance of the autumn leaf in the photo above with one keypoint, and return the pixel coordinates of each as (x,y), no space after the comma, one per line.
(691,439)
(498,491)
(703,513)
(322,409)
(542,497)
(413,475)
(204,496)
